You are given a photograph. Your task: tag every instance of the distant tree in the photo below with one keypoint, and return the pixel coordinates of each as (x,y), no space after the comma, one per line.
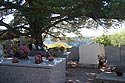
(70,39)
(118,38)
(104,39)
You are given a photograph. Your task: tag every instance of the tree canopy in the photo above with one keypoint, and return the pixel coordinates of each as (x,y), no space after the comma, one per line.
(37,18)
(115,39)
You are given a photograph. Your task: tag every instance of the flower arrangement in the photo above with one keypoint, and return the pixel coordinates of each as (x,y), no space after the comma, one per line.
(38,58)
(49,57)
(15,60)
(24,52)
(24,49)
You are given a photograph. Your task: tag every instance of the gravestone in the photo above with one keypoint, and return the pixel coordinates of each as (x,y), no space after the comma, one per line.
(122,56)
(112,54)
(74,55)
(89,54)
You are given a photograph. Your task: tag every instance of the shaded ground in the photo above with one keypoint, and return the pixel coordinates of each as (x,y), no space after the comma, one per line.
(76,74)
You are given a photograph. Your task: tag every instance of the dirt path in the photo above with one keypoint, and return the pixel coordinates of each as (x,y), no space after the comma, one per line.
(81,75)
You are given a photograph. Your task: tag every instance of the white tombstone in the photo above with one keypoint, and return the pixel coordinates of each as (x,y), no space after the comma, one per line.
(89,54)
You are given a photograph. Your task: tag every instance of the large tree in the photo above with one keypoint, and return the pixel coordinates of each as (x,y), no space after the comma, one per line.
(36,18)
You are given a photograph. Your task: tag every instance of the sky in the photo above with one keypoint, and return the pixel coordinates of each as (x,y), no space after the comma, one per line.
(7,20)
(84,31)
(98,32)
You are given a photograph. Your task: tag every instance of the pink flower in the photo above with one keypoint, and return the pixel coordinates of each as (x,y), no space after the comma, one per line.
(24,49)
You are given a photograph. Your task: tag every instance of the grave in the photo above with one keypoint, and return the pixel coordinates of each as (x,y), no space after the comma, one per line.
(109,77)
(112,54)
(89,55)
(122,56)
(27,72)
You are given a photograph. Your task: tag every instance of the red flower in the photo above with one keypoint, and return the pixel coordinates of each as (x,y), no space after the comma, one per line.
(24,49)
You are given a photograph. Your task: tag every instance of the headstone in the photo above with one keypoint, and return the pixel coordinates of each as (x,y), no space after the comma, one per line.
(122,56)
(74,55)
(89,54)
(112,54)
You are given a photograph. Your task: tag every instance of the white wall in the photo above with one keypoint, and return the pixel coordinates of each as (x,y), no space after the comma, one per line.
(89,53)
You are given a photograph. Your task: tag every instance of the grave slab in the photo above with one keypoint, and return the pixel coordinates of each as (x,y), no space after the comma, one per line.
(109,77)
(27,72)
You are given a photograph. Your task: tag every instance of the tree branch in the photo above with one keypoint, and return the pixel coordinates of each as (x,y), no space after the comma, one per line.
(9,5)
(52,35)
(2,32)
(62,28)
(9,27)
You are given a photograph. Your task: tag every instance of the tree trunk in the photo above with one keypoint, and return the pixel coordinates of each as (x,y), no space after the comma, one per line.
(36,31)
(38,40)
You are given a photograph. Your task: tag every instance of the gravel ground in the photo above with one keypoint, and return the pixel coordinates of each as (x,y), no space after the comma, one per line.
(77,74)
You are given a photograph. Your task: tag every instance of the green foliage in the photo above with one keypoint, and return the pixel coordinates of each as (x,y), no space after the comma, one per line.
(104,39)
(117,38)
